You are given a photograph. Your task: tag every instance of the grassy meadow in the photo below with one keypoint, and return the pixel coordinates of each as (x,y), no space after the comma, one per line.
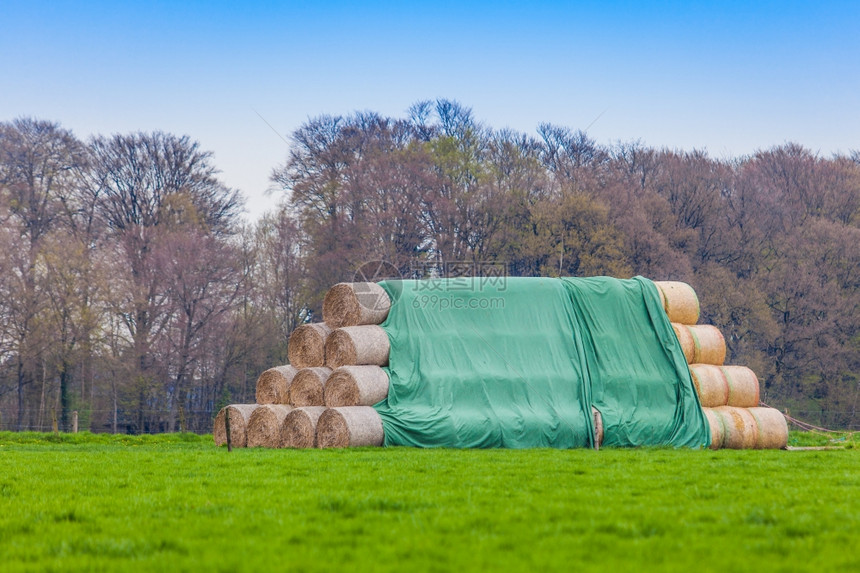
(177,503)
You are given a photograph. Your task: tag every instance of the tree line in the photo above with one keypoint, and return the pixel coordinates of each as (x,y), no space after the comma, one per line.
(132,291)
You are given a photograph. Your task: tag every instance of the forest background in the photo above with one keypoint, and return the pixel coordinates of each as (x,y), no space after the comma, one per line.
(134,293)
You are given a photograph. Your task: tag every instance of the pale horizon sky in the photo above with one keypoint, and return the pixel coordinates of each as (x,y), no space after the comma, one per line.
(728,77)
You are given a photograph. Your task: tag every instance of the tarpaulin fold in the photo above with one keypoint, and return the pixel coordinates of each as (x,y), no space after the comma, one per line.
(519,362)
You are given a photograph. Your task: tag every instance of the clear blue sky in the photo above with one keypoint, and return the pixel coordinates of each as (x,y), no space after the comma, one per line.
(729,77)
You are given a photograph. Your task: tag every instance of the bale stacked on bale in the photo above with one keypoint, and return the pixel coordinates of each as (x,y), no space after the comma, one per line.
(306,347)
(239,414)
(679,301)
(702,343)
(747,428)
(356,386)
(357,345)
(299,428)
(348,427)
(264,426)
(353,304)
(308,386)
(273,385)
(725,385)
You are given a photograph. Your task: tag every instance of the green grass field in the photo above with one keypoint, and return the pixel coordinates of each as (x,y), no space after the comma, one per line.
(178,503)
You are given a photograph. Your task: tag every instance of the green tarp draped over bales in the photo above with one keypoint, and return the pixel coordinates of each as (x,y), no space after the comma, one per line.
(519,362)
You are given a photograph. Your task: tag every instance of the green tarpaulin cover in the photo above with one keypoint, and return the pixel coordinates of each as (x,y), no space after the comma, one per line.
(519,362)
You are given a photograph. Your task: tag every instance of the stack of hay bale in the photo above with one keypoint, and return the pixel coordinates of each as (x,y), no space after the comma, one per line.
(729,395)
(324,397)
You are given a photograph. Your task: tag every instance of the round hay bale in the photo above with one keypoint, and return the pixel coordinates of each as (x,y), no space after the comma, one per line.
(354,345)
(740,429)
(306,347)
(356,386)
(239,416)
(772,428)
(349,427)
(701,343)
(743,386)
(353,304)
(300,427)
(688,345)
(308,386)
(717,430)
(679,301)
(273,385)
(264,426)
(711,385)
(598,427)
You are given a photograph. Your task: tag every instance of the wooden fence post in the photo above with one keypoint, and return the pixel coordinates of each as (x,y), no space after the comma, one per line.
(75,422)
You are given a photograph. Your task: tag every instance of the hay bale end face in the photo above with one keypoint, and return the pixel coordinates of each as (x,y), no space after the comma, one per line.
(356,386)
(300,426)
(239,414)
(357,345)
(264,426)
(308,386)
(273,385)
(679,301)
(348,427)
(306,347)
(353,304)
(598,427)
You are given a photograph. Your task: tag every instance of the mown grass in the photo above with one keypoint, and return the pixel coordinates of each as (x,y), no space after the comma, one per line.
(178,503)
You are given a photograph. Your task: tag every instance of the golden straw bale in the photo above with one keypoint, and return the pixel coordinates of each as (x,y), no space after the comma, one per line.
(240,414)
(264,425)
(353,304)
(743,386)
(357,345)
(716,425)
(356,386)
(273,385)
(772,428)
(306,347)
(740,429)
(725,385)
(300,427)
(701,343)
(308,386)
(679,301)
(351,426)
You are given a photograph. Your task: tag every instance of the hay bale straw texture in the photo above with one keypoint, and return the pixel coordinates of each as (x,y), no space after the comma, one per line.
(716,425)
(357,345)
(306,347)
(352,426)
(353,304)
(308,386)
(772,428)
(725,385)
(300,427)
(702,343)
(598,427)
(679,301)
(750,428)
(273,385)
(264,426)
(239,414)
(356,386)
